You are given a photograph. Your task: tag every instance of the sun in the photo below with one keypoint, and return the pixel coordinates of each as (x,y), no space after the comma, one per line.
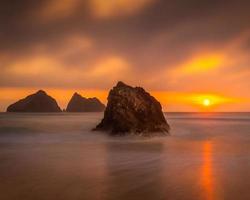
(206,102)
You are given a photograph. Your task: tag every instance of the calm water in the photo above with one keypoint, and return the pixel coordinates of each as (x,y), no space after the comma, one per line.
(54,157)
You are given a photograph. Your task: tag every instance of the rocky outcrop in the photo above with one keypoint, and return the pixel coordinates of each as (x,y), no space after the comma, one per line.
(82,104)
(38,102)
(132,110)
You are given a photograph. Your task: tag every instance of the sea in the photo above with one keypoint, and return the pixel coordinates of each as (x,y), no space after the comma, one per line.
(59,157)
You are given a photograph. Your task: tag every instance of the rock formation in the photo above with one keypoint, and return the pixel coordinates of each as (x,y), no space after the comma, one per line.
(132,110)
(38,102)
(81,104)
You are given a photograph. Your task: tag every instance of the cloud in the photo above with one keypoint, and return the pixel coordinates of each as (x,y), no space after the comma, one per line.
(162,45)
(56,9)
(45,70)
(114,8)
(203,63)
(112,67)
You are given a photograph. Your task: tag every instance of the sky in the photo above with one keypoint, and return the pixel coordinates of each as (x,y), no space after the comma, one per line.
(192,55)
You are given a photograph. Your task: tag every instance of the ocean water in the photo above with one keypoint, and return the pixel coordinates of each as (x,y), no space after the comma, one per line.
(58,157)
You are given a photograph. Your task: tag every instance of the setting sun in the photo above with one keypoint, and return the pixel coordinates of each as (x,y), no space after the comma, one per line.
(206,102)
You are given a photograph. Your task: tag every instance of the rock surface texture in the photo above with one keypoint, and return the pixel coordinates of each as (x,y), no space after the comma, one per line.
(131,110)
(81,104)
(38,102)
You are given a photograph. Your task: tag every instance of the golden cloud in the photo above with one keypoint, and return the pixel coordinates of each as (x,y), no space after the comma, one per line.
(201,63)
(55,9)
(111,8)
(112,67)
(53,70)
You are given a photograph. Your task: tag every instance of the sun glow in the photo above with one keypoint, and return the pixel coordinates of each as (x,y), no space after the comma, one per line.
(206,102)
(211,101)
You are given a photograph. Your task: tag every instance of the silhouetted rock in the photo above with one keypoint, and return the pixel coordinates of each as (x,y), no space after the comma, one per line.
(133,110)
(38,102)
(80,104)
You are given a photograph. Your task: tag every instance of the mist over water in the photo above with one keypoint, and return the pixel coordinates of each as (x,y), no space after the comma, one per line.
(57,156)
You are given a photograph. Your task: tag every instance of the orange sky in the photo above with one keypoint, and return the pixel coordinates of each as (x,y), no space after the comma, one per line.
(171,101)
(190,57)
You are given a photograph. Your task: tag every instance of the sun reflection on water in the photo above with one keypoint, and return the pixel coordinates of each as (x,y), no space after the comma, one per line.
(207,178)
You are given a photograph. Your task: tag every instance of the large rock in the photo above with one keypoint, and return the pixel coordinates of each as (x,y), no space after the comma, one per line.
(38,102)
(81,104)
(133,110)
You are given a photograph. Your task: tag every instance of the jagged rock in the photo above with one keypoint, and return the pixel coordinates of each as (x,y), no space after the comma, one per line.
(38,102)
(132,110)
(81,104)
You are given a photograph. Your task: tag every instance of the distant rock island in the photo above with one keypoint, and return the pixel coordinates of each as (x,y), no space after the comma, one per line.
(38,102)
(81,104)
(131,110)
